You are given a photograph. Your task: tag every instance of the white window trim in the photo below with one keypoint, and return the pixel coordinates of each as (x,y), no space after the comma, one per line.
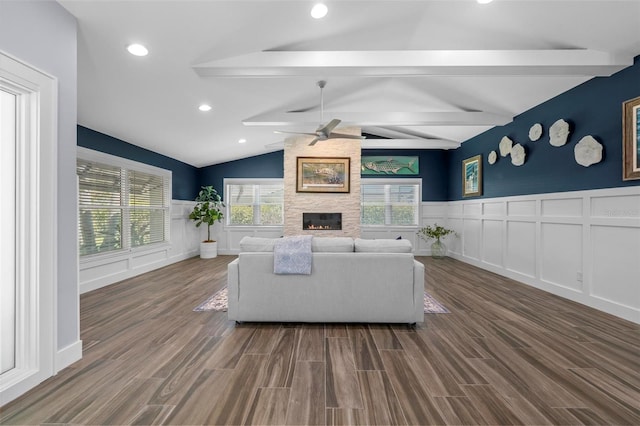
(113,160)
(394,181)
(36,225)
(247,181)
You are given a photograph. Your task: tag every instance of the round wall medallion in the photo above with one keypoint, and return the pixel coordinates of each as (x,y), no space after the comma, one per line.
(535,132)
(558,133)
(588,151)
(505,146)
(493,156)
(518,155)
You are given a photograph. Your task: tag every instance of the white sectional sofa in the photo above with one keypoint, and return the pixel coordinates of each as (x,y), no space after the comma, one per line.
(367,281)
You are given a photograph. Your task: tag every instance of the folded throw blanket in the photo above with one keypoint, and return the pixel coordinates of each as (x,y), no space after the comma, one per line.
(292,255)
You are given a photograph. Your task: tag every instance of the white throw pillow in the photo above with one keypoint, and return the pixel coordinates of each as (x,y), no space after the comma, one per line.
(332,244)
(257,244)
(383,246)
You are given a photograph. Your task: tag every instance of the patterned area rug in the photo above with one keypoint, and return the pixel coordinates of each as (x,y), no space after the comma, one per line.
(218,302)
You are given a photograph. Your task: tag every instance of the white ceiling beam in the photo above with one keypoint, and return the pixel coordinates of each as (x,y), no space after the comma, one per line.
(393,144)
(447,118)
(416,63)
(409,144)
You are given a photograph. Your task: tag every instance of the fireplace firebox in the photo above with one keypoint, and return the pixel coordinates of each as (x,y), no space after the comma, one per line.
(322,221)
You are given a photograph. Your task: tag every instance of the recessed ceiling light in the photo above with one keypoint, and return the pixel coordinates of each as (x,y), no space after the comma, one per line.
(204,107)
(319,10)
(242,140)
(137,49)
(484,1)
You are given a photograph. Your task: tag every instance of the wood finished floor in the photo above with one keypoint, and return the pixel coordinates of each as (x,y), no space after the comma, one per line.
(506,354)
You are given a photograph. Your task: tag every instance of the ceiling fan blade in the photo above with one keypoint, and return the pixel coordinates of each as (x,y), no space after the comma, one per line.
(327,128)
(313,142)
(345,136)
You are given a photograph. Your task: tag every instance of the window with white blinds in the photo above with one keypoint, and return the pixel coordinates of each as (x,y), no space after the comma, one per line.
(122,204)
(252,202)
(391,202)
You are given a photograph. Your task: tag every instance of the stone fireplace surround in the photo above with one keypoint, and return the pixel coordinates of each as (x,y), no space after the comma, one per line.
(297,203)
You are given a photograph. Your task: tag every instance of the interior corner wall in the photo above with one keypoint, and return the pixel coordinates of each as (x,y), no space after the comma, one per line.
(52,49)
(184,176)
(267,166)
(592,108)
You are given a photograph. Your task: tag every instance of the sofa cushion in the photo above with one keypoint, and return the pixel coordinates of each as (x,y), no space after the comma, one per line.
(332,244)
(383,246)
(257,244)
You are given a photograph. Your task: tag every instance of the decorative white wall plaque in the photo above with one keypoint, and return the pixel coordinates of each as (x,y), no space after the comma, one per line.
(518,155)
(505,146)
(588,151)
(535,132)
(493,156)
(558,133)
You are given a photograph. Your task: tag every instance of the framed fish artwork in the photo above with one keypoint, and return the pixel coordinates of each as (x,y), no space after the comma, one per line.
(323,174)
(389,166)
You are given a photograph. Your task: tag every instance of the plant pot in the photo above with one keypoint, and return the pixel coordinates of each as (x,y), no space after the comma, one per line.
(438,250)
(208,249)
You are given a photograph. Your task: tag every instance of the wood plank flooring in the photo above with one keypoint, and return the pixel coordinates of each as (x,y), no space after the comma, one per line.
(506,354)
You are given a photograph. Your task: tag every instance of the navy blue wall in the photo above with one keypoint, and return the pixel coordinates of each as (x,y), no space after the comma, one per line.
(261,166)
(184,177)
(592,108)
(433,170)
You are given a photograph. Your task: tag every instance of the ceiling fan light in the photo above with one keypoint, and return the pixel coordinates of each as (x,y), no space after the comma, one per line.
(137,49)
(319,10)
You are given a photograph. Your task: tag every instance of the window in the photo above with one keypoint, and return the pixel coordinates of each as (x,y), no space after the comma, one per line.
(394,202)
(122,204)
(254,203)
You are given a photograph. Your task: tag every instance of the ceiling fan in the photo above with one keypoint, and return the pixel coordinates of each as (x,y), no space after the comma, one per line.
(324,131)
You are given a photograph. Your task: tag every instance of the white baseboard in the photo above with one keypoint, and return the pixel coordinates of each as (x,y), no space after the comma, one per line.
(68,355)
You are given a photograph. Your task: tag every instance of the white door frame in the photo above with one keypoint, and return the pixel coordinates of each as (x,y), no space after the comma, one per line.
(36,225)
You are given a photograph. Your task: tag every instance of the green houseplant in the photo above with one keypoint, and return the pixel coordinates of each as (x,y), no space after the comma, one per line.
(208,210)
(438,248)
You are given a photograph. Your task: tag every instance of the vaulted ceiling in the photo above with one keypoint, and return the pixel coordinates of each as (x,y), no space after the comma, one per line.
(413,74)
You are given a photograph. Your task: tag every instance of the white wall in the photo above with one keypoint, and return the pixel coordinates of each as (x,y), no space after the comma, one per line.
(43,34)
(584,245)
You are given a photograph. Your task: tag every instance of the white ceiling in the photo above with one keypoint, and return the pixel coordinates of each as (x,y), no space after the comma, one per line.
(426,74)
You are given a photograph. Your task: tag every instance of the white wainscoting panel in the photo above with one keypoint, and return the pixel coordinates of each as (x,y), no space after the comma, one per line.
(472,238)
(521,247)
(582,245)
(492,237)
(100,271)
(561,255)
(615,266)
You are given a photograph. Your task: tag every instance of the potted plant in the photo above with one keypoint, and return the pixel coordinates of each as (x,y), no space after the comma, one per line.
(438,248)
(207,210)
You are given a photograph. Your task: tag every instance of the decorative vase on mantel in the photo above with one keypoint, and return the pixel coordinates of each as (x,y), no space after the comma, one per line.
(435,232)
(438,249)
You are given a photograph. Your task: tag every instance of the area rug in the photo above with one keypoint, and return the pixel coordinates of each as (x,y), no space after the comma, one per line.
(218,302)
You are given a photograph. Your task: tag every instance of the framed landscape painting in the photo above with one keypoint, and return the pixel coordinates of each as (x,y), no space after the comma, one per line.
(630,145)
(323,174)
(472,176)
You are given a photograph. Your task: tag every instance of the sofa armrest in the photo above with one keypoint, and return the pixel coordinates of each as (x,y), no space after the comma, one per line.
(418,292)
(233,288)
